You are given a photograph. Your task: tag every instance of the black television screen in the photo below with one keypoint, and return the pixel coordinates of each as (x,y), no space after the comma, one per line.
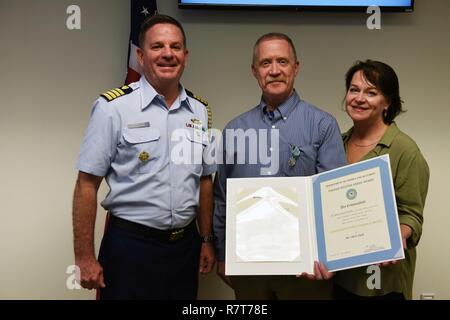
(310,5)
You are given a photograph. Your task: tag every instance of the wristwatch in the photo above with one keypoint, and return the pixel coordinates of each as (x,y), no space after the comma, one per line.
(207,238)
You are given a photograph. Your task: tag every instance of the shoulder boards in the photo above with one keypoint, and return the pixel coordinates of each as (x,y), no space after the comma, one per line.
(205,103)
(208,109)
(116,93)
(192,95)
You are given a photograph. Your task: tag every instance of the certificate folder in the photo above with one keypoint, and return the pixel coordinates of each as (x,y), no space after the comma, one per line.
(344,218)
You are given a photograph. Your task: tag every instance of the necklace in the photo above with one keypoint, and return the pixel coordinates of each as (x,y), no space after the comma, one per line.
(377,139)
(364,145)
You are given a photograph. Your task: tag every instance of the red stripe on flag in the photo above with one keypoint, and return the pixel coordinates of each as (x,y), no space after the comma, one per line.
(132,76)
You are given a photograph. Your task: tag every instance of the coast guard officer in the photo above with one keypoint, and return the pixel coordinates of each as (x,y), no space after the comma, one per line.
(149,140)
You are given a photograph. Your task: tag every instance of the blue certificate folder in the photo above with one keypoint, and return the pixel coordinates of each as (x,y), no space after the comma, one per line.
(344,218)
(395,252)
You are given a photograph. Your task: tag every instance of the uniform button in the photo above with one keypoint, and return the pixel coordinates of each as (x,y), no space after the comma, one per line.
(271,149)
(284,118)
(273,127)
(269,172)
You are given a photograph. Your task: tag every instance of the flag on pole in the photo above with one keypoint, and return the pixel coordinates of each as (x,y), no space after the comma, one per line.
(140,10)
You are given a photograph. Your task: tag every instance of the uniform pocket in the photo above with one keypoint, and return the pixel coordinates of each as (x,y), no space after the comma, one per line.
(141,148)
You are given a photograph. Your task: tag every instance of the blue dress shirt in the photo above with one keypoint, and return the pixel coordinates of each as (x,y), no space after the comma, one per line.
(298,138)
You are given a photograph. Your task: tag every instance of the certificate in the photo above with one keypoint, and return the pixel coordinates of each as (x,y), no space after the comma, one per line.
(345,218)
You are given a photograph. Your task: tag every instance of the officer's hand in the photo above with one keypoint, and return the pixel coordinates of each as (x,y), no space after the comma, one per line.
(221,273)
(91,276)
(320,272)
(207,258)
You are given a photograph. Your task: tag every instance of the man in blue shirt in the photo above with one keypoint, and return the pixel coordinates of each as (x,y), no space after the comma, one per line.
(300,139)
(149,140)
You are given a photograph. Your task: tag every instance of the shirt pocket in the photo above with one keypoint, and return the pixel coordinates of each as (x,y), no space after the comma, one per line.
(195,142)
(142,148)
(305,164)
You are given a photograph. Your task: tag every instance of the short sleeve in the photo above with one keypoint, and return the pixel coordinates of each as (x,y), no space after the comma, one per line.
(99,144)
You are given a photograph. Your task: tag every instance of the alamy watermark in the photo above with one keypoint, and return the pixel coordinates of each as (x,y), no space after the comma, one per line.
(251,146)
(374,280)
(73,21)
(73,280)
(374,21)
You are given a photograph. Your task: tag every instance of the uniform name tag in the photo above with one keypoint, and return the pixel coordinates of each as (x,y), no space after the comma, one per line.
(139,125)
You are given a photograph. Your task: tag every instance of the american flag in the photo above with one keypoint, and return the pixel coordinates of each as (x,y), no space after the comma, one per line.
(140,10)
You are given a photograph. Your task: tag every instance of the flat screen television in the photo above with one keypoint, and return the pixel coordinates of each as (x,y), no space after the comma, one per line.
(301,5)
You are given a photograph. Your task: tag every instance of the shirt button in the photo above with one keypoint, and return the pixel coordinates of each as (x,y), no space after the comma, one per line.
(271,149)
(284,118)
(273,127)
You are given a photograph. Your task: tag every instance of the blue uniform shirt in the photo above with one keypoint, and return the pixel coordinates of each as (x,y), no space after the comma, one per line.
(307,135)
(152,157)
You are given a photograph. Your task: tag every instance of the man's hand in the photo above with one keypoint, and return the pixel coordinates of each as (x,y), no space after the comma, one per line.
(320,272)
(91,273)
(84,214)
(221,273)
(207,258)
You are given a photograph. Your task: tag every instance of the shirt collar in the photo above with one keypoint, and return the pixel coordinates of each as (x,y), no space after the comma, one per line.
(389,135)
(386,139)
(184,101)
(284,109)
(346,135)
(149,95)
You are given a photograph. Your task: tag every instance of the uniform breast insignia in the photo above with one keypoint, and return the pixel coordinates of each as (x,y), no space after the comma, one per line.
(144,156)
(196,124)
(138,125)
(205,103)
(196,121)
(116,93)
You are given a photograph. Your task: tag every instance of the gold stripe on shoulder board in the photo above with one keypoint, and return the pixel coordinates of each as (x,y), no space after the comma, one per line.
(201,100)
(116,93)
(208,110)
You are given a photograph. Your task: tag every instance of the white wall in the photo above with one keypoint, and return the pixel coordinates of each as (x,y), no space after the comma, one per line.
(50,76)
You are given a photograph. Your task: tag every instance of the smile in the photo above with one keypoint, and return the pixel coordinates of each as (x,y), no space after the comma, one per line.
(359,108)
